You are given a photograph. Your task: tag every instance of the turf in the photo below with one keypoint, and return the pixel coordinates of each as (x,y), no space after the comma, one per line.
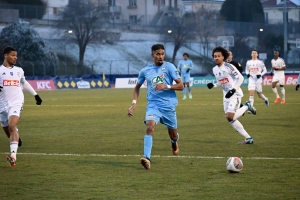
(80,144)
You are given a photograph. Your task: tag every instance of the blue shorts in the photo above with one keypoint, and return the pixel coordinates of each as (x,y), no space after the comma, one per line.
(185,78)
(166,116)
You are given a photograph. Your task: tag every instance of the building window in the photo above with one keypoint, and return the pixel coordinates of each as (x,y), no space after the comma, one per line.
(132,19)
(266,17)
(132,4)
(156,2)
(55,11)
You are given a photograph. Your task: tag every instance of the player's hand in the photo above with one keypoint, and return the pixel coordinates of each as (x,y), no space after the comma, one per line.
(297,87)
(230,93)
(210,85)
(271,74)
(248,75)
(1,88)
(38,99)
(160,87)
(130,110)
(258,76)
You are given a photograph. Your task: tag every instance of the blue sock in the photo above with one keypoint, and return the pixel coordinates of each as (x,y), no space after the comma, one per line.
(184,91)
(189,88)
(147,146)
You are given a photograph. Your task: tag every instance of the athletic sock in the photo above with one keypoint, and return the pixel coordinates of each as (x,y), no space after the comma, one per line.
(147,146)
(275,92)
(184,91)
(189,89)
(14,149)
(240,112)
(239,128)
(251,99)
(282,92)
(263,97)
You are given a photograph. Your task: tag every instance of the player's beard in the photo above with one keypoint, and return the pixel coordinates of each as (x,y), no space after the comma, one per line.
(160,62)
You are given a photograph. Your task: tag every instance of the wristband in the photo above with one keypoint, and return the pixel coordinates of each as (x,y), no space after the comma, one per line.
(134,101)
(169,86)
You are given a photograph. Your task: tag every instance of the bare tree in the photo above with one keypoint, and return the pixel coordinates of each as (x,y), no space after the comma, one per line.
(179,30)
(82,17)
(207,27)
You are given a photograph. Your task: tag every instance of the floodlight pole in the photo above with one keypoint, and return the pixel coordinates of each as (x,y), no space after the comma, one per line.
(285,31)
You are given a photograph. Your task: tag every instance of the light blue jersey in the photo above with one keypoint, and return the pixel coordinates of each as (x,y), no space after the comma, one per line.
(298,82)
(184,66)
(164,74)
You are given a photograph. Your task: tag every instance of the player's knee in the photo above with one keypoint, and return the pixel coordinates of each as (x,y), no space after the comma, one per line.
(229,118)
(150,129)
(12,127)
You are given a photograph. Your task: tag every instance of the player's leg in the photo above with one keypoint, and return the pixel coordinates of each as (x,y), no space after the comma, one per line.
(230,107)
(261,95)
(241,111)
(281,84)
(169,118)
(251,89)
(184,90)
(152,118)
(5,129)
(189,89)
(14,139)
(274,89)
(174,137)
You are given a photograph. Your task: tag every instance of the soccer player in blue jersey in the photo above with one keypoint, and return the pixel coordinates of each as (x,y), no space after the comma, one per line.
(184,68)
(162,99)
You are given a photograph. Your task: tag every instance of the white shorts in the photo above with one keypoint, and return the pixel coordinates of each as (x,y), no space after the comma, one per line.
(231,104)
(252,85)
(4,115)
(280,80)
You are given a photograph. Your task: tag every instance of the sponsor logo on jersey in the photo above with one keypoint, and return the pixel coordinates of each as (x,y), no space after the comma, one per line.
(11,83)
(224,81)
(253,69)
(158,79)
(11,73)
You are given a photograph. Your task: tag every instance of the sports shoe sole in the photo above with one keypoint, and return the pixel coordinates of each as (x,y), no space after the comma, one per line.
(11,161)
(145,162)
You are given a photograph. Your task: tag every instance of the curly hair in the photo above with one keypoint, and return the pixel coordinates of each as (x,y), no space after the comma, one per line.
(222,50)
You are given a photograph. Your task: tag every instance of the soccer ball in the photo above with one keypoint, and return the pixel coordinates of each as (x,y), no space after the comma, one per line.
(234,165)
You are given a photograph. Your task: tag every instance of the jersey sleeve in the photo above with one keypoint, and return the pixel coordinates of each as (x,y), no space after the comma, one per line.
(298,79)
(22,79)
(247,68)
(263,67)
(234,71)
(173,71)
(141,77)
(283,63)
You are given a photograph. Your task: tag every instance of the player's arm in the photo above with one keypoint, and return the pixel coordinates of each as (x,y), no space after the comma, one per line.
(247,70)
(177,86)
(190,66)
(135,96)
(211,85)
(283,66)
(30,89)
(264,70)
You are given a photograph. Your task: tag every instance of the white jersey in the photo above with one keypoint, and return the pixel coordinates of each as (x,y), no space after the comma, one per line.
(255,67)
(11,79)
(279,62)
(227,77)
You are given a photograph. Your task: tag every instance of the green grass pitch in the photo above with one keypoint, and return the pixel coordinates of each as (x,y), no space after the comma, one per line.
(80,144)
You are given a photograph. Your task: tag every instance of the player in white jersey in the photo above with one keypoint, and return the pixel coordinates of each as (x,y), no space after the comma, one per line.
(278,67)
(230,80)
(12,99)
(255,69)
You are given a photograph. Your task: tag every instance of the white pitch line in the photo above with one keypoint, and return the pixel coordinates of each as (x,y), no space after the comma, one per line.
(156,156)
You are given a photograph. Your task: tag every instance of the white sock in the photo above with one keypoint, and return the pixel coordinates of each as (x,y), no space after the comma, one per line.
(239,128)
(251,99)
(240,112)
(14,149)
(275,92)
(263,97)
(282,92)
